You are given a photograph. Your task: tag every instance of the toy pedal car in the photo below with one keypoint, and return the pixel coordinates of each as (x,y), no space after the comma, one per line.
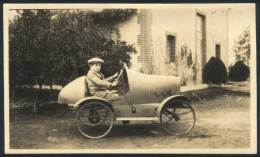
(143,97)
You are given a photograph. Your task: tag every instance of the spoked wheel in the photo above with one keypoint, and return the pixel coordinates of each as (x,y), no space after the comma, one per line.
(94,119)
(177,118)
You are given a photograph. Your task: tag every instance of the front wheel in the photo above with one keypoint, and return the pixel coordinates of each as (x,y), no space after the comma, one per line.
(177,118)
(94,119)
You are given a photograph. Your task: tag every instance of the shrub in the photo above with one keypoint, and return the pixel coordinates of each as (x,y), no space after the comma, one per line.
(215,71)
(239,72)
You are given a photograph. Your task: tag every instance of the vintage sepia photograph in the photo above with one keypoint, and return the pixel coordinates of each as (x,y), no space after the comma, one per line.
(130,78)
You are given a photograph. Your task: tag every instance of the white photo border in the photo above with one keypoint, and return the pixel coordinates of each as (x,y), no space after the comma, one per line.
(253,81)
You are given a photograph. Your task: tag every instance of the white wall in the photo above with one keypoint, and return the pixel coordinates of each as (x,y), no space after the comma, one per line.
(129,31)
(216,24)
(181,23)
(239,18)
(171,21)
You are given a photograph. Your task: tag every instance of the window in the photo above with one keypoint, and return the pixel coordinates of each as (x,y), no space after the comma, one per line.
(217,51)
(171,47)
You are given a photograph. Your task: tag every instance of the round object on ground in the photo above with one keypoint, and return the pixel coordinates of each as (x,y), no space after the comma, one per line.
(177,118)
(94,119)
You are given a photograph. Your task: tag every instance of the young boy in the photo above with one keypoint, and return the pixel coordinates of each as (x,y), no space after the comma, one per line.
(97,84)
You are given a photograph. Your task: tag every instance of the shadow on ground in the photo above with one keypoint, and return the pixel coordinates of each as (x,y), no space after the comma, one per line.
(213,93)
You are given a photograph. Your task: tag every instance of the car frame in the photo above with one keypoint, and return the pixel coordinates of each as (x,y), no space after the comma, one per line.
(145,97)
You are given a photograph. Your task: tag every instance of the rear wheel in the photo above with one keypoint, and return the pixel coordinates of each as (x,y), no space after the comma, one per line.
(94,119)
(177,118)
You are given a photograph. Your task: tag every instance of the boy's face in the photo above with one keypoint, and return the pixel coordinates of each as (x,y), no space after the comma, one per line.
(96,67)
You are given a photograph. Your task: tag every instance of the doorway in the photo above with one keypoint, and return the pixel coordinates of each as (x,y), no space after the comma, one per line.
(200,45)
(217,50)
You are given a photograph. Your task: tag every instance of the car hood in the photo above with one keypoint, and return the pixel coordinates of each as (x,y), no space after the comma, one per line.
(146,88)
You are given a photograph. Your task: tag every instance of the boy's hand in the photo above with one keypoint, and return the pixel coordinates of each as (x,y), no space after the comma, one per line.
(115,75)
(115,83)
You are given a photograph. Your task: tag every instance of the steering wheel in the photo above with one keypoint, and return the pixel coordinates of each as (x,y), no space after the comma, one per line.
(122,86)
(120,74)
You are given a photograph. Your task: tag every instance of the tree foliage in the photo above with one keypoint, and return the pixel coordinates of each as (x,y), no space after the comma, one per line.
(215,71)
(53,46)
(186,65)
(239,72)
(29,42)
(242,47)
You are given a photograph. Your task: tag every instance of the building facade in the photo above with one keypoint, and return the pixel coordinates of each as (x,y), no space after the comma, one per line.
(177,41)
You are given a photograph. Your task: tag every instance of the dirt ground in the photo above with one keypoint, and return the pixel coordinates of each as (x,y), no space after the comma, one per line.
(223,121)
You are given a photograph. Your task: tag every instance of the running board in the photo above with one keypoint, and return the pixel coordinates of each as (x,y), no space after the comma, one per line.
(137,118)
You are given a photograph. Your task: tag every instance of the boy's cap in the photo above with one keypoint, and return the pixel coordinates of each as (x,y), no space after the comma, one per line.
(95,60)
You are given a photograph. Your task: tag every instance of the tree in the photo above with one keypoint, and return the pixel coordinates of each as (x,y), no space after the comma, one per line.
(88,34)
(53,46)
(215,71)
(186,65)
(29,41)
(239,72)
(242,47)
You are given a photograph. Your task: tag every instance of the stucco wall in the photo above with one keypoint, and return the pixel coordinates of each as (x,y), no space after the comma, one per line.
(179,22)
(129,31)
(217,33)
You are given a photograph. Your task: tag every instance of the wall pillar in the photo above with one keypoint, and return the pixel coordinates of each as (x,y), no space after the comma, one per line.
(144,19)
